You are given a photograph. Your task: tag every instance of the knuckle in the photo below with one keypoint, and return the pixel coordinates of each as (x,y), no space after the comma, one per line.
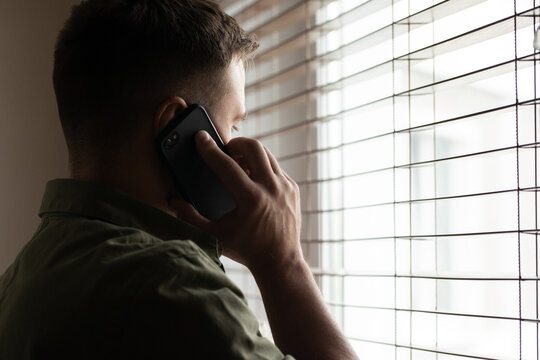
(254,145)
(273,187)
(245,145)
(252,196)
(294,185)
(236,140)
(291,185)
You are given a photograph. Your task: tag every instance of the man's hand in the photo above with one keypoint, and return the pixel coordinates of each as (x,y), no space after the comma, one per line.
(263,232)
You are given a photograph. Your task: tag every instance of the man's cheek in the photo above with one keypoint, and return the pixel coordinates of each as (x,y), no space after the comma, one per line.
(224,134)
(226,137)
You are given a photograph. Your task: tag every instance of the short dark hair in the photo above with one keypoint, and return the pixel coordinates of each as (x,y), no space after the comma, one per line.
(116,60)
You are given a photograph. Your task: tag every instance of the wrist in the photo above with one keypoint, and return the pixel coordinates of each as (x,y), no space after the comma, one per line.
(272,269)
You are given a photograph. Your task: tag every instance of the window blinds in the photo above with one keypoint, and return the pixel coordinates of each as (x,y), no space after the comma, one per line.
(411,129)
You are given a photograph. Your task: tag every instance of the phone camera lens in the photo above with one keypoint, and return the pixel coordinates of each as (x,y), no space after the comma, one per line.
(170,141)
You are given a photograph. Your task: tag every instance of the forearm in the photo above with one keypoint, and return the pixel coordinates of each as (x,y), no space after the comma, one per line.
(301,324)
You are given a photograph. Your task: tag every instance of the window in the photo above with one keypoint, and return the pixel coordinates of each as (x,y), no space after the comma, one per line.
(412,130)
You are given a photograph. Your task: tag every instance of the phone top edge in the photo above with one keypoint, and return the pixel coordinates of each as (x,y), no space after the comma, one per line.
(221,144)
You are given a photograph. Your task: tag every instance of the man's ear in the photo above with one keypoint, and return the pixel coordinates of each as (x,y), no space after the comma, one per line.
(166,111)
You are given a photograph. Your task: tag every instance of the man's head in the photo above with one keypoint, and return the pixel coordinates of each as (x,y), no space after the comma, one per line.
(116,61)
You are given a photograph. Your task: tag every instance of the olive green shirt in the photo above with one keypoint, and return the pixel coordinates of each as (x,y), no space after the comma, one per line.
(106,276)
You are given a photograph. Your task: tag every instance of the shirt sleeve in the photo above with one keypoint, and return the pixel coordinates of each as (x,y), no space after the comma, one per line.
(193,310)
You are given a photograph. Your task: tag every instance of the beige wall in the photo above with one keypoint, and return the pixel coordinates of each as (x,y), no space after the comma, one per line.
(32,148)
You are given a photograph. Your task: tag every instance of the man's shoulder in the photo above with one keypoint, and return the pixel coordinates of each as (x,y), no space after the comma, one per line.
(81,262)
(97,281)
(107,244)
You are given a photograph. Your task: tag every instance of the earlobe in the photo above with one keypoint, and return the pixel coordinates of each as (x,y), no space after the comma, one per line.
(166,111)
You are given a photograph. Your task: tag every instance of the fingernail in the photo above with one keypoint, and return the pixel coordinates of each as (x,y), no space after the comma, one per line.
(202,136)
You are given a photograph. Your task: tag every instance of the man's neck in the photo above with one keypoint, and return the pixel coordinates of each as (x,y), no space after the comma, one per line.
(136,179)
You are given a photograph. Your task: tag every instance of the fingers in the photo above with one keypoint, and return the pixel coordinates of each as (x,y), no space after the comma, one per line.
(273,162)
(227,170)
(254,154)
(240,160)
(249,160)
(288,177)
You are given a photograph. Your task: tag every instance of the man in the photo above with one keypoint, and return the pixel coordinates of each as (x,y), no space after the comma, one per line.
(122,268)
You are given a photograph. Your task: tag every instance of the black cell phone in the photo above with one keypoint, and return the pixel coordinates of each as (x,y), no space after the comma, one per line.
(193,179)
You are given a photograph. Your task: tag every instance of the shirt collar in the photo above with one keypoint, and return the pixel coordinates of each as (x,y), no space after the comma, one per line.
(91,200)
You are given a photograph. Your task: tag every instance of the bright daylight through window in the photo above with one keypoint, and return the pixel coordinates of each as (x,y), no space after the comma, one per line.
(411,128)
